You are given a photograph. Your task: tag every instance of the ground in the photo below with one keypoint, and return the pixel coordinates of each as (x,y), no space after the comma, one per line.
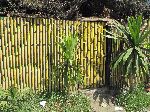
(102,99)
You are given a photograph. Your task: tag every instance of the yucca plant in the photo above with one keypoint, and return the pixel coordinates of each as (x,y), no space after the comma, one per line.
(134,56)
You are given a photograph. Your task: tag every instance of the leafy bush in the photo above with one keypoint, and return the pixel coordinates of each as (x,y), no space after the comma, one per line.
(75,102)
(13,98)
(71,70)
(25,100)
(136,100)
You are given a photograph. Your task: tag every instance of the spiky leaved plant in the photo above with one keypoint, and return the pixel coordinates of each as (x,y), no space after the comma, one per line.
(135,55)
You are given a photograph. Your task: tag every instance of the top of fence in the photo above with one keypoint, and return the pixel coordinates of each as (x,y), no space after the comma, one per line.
(94,19)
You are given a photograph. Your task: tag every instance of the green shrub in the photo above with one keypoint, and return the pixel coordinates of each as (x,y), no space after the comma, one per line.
(71,70)
(135,100)
(25,100)
(76,102)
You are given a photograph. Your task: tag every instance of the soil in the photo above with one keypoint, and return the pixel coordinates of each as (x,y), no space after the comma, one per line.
(102,99)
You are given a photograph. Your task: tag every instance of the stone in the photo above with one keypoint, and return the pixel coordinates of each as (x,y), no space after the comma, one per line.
(42,103)
(118,108)
(104,104)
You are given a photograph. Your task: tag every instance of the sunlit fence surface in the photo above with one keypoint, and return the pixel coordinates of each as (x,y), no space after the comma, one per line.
(29,49)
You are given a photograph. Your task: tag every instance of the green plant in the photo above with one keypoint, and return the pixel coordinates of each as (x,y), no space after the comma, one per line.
(74,102)
(72,74)
(136,100)
(15,100)
(133,59)
(20,100)
(10,100)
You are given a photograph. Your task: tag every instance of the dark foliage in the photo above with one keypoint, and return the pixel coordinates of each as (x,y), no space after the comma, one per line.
(71,9)
(117,9)
(121,9)
(65,9)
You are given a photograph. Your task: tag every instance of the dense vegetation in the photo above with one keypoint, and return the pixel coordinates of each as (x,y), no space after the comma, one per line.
(25,100)
(72,9)
(136,100)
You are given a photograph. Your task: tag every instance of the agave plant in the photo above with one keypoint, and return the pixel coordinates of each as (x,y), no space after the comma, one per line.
(136,52)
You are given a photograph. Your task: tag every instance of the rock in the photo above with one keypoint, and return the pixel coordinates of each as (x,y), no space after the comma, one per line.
(42,103)
(119,109)
(104,104)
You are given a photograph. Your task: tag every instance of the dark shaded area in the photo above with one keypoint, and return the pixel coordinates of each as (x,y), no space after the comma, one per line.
(73,9)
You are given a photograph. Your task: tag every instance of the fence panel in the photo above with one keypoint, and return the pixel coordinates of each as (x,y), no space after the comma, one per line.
(29,49)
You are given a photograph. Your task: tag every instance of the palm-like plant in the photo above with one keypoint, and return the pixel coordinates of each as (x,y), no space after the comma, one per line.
(136,51)
(71,70)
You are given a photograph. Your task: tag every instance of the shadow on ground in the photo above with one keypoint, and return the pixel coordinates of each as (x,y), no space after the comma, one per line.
(102,99)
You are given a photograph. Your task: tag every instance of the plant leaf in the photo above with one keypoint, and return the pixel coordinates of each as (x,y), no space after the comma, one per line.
(137,65)
(127,54)
(118,60)
(129,65)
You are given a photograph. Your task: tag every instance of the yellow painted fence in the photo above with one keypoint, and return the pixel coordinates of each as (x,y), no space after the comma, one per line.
(29,48)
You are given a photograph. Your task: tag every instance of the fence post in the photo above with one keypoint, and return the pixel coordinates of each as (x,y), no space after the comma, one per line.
(108,59)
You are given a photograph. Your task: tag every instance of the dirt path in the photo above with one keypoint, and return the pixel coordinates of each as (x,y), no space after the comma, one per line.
(101,100)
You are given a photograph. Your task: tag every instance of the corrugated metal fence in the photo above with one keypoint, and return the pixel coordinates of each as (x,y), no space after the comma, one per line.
(29,48)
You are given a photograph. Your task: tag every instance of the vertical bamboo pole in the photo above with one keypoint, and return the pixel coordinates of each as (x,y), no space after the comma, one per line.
(19,40)
(3,53)
(60,51)
(38,34)
(32,53)
(46,54)
(52,54)
(104,51)
(11,48)
(89,44)
(81,51)
(57,28)
(5,72)
(6,54)
(35,53)
(63,36)
(96,52)
(55,53)
(43,50)
(16,53)
(28,52)
(99,50)
(23,53)
(94,55)
(1,60)
(25,75)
